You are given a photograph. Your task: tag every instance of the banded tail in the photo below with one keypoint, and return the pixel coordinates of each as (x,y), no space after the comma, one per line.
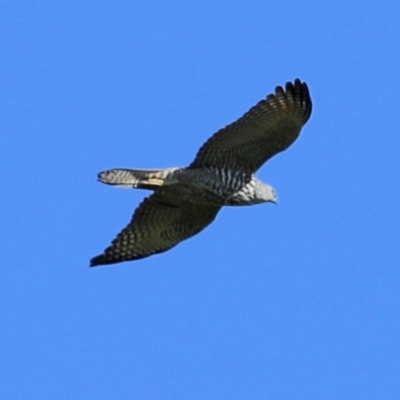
(136,178)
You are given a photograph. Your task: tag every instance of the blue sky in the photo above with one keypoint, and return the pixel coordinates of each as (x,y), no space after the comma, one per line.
(295,301)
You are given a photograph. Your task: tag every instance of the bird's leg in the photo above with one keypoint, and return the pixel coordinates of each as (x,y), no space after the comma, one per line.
(153,182)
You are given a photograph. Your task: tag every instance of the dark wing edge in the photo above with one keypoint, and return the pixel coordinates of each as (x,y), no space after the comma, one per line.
(156,226)
(266,129)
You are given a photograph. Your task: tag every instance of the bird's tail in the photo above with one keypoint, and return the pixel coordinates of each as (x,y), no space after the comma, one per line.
(136,178)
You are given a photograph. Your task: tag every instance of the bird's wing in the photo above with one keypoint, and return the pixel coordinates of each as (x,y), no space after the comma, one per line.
(160,222)
(265,130)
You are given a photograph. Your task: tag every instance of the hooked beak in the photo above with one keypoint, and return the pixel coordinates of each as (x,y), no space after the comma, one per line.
(275,199)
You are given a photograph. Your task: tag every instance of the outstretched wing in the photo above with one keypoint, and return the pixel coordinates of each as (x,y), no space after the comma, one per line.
(159,223)
(265,130)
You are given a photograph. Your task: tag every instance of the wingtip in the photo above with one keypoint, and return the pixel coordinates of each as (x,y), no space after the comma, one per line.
(98,260)
(104,259)
(296,84)
(301,94)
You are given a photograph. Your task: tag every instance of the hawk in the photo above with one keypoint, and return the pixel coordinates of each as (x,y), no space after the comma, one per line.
(187,199)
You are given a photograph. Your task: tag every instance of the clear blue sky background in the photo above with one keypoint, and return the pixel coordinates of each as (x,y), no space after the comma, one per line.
(295,301)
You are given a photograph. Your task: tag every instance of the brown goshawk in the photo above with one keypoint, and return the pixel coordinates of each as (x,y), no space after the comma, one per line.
(186,200)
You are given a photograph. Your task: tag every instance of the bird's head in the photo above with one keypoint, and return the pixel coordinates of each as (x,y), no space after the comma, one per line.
(266,193)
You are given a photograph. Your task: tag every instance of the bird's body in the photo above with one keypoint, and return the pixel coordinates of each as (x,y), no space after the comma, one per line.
(187,199)
(214,186)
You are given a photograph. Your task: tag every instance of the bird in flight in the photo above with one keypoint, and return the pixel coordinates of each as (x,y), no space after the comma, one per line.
(187,199)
